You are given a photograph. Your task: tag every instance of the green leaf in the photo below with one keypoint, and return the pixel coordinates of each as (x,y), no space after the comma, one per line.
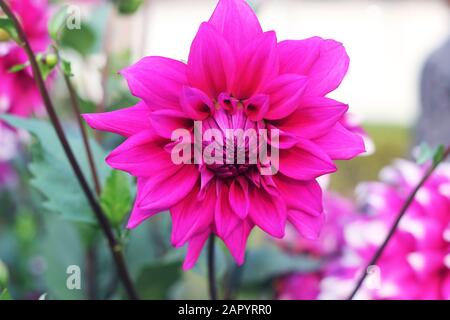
(66,67)
(4,274)
(82,40)
(52,173)
(264,263)
(56,23)
(4,295)
(438,155)
(128,6)
(7,25)
(116,198)
(155,281)
(19,67)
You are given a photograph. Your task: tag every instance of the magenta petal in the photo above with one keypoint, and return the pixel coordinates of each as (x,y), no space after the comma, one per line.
(167,187)
(141,155)
(300,195)
(195,246)
(192,216)
(238,197)
(341,144)
(305,161)
(309,226)
(256,107)
(315,118)
(285,94)
(196,104)
(165,123)
(237,22)
(225,218)
(137,214)
(257,65)
(211,65)
(125,122)
(325,62)
(268,211)
(158,81)
(236,242)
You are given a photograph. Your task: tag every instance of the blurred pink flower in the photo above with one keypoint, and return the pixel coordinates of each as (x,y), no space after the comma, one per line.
(416,262)
(328,248)
(18,92)
(236,77)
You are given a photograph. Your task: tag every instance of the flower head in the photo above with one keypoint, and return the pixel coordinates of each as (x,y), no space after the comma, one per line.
(416,262)
(237,77)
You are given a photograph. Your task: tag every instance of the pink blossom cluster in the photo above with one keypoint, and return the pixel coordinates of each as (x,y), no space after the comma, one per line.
(415,263)
(19,95)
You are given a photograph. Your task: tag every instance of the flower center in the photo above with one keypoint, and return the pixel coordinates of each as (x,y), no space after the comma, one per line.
(230,142)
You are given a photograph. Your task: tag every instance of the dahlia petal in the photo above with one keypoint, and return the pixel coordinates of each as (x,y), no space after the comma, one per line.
(195,246)
(125,122)
(237,22)
(315,118)
(238,197)
(157,80)
(167,187)
(165,123)
(309,226)
(305,161)
(211,64)
(138,215)
(285,94)
(236,242)
(192,216)
(257,64)
(325,62)
(268,212)
(303,196)
(141,155)
(341,144)
(196,104)
(225,218)
(256,107)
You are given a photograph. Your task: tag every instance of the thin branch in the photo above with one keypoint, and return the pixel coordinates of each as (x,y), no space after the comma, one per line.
(402,212)
(211,268)
(87,146)
(115,247)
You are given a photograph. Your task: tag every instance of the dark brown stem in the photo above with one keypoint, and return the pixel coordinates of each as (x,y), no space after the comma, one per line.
(402,212)
(87,146)
(115,247)
(91,272)
(211,268)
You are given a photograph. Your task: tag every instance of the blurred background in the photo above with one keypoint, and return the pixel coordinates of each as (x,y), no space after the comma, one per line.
(389,43)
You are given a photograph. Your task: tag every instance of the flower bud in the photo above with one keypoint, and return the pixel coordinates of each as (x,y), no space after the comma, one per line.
(51,60)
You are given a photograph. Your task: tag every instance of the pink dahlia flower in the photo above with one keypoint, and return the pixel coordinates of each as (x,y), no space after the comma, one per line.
(328,248)
(18,92)
(416,262)
(236,77)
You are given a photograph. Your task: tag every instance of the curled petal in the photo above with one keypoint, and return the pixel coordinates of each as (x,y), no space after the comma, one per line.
(256,107)
(196,104)
(158,81)
(226,220)
(325,62)
(238,197)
